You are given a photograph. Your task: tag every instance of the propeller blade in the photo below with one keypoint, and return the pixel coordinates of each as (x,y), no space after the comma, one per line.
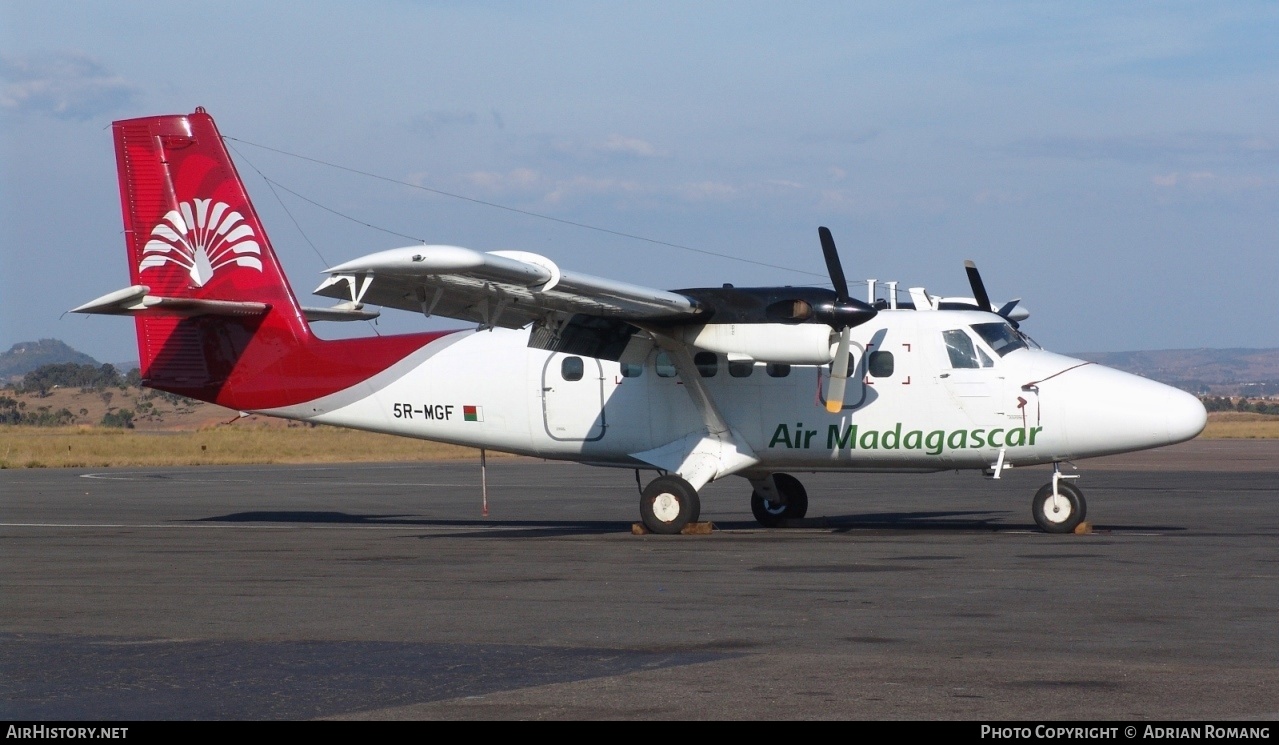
(1007,307)
(833,266)
(979,288)
(839,374)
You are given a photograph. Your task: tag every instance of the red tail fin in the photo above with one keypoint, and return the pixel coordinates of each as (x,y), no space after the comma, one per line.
(192,233)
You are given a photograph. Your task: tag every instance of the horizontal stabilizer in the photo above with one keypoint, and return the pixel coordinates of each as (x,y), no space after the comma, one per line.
(135,300)
(340,312)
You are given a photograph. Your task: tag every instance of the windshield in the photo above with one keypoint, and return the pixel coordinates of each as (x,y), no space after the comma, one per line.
(1000,336)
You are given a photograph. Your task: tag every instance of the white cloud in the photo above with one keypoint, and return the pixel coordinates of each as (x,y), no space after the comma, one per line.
(715,191)
(432,122)
(64,85)
(520,179)
(630,146)
(1206,181)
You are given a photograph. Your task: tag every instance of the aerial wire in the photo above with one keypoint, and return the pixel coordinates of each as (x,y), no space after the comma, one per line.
(495,205)
(271,185)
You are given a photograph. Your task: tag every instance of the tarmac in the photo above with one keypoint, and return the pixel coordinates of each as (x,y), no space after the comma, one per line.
(382,592)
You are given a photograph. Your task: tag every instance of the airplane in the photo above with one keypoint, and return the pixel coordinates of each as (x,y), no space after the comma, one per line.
(694,384)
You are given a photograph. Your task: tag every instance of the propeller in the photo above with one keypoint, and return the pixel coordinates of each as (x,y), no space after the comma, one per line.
(842,315)
(983,299)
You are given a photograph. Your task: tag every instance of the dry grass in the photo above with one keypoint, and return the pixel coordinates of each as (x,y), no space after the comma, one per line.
(1230,425)
(94,447)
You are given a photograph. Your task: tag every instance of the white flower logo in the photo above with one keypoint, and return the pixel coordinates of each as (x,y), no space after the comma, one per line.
(201,240)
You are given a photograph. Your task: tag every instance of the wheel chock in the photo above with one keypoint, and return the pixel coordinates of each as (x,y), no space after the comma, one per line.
(1083,528)
(705,528)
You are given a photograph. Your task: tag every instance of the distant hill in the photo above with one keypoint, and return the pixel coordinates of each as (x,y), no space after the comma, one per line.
(26,356)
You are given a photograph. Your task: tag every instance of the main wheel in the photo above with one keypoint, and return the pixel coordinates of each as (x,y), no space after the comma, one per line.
(1060,514)
(771,514)
(669,503)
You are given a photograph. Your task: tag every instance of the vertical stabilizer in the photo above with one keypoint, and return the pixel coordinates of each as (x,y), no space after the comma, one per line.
(193,235)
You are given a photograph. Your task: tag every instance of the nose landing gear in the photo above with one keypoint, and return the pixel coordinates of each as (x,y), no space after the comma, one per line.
(1059,506)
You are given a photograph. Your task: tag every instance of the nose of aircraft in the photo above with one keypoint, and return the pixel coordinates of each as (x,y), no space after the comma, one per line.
(1107,411)
(1184,415)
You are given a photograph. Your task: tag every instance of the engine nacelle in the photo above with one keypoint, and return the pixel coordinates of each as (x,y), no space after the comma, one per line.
(784,343)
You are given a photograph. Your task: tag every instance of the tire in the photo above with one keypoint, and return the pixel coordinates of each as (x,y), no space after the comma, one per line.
(1068,512)
(669,503)
(772,515)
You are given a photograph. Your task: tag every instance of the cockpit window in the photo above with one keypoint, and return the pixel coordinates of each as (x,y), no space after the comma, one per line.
(963,353)
(1001,337)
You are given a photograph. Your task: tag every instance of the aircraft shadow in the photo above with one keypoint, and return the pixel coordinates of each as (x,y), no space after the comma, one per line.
(953,521)
(511,528)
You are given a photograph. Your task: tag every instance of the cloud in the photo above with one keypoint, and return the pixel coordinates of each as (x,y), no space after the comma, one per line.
(517,180)
(1185,147)
(63,85)
(628,146)
(432,122)
(1206,181)
(612,148)
(716,191)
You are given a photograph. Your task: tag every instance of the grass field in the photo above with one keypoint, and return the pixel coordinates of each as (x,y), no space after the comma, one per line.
(97,447)
(1229,425)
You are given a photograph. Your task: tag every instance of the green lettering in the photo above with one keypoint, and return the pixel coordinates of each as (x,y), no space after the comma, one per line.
(808,438)
(991,439)
(934,441)
(896,438)
(1034,431)
(1015,438)
(914,440)
(958,439)
(979,438)
(870,439)
(782,435)
(847,440)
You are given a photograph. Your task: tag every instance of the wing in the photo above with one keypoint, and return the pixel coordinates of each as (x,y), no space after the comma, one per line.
(499,288)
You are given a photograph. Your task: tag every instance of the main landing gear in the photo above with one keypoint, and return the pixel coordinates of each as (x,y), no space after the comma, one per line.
(1059,506)
(669,503)
(789,502)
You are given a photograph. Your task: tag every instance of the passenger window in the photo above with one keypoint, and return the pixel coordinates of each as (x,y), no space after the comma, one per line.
(777,370)
(741,368)
(960,348)
(881,364)
(632,371)
(663,366)
(572,368)
(707,364)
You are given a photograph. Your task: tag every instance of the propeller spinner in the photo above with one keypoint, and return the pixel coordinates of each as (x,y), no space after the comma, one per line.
(842,315)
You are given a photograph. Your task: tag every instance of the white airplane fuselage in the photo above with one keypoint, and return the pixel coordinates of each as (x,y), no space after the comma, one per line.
(488,389)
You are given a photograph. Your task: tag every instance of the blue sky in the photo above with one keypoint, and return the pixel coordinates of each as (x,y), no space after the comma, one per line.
(1115,165)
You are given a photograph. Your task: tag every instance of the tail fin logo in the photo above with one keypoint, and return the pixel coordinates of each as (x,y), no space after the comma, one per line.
(202,240)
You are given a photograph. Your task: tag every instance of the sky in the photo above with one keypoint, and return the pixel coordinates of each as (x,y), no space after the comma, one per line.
(1115,165)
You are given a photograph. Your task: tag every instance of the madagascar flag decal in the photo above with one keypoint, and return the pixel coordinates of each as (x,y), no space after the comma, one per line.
(473,413)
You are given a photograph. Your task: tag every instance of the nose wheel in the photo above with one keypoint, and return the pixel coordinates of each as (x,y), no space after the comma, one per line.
(792,504)
(669,503)
(1060,509)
